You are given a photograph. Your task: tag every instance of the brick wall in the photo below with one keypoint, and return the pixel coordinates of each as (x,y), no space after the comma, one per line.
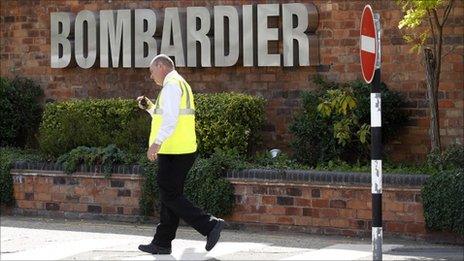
(327,209)
(322,203)
(25,50)
(53,193)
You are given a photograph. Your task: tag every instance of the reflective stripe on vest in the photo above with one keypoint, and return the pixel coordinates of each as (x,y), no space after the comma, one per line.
(183,139)
(181,111)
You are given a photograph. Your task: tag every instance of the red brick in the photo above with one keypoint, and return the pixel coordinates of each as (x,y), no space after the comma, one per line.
(249,217)
(58,197)
(328,212)
(302,221)
(303,202)
(320,203)
(81,191)
(393,206)
(364,214)
(43,196)
(395,227)
(445,103)
(268,200)
(358,224)
(339,222)
(42,187)
(108,210)
(415,228)
(67,207)
(285,220)
(276,210)
(338,203)
(257,209)
(87,183)
(406,217)
(320,222)
(80,207)
(347,213)
(18,195)
(259,190)
(269,219)
(251,200)
(28,187)
(26,204)
(404,196)
(389,215)
(357,204)
(293,211)
(415,208)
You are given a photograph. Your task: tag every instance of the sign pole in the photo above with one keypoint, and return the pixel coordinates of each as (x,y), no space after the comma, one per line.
(376,151)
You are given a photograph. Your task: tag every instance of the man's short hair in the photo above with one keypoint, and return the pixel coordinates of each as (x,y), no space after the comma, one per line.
(163,59)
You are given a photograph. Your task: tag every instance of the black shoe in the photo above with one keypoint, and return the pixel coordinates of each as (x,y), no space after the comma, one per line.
(154,249)
(214,235)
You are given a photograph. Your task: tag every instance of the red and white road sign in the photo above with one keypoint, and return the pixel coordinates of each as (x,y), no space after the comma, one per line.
(368,52)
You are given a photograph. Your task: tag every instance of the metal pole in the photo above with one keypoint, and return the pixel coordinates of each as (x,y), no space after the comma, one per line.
(376,153)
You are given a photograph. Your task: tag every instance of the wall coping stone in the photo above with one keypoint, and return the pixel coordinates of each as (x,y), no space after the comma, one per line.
(331,177)
(313,176)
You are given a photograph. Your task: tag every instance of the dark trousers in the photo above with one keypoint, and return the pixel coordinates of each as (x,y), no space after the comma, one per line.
(172,171)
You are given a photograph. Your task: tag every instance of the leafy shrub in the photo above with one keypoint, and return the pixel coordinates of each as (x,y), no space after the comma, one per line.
(149,200)
(452,157)
(443,201)
(20,112)
(7,158)
(313,140)
(93,123)
(337,106)
(228,121)
(204,184)
(321,137)
(105,157)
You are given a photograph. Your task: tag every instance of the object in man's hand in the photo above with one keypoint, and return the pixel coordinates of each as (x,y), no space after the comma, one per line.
(143,102)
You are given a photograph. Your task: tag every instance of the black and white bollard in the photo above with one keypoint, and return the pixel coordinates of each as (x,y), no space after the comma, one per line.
(376,153)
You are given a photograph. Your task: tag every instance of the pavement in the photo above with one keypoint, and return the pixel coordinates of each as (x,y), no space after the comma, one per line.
(32,238)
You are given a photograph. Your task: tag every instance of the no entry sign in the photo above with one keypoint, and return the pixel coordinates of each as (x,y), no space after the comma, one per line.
(368,52)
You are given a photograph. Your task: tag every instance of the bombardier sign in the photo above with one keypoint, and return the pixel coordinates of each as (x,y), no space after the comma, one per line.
(220,36)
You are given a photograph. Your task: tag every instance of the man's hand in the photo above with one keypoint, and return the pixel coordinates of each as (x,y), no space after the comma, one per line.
(152,152)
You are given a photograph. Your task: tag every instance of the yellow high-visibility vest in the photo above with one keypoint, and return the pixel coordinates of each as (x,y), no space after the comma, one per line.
(183,140)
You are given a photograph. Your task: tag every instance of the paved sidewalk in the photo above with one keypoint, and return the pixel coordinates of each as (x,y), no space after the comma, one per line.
(26,238)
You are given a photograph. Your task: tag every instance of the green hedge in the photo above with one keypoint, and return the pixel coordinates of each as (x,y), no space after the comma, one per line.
(313,134)
(93,123)
(20,112)
(443,201)
(224,120)
(7,158)
(443,194)
(228,121)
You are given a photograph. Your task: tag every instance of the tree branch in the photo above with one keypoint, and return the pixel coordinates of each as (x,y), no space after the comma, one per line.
(433,33)
(447,12)
(438,49)
(435,19)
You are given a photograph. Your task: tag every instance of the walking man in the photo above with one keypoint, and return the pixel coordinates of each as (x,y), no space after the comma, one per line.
(173,142)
